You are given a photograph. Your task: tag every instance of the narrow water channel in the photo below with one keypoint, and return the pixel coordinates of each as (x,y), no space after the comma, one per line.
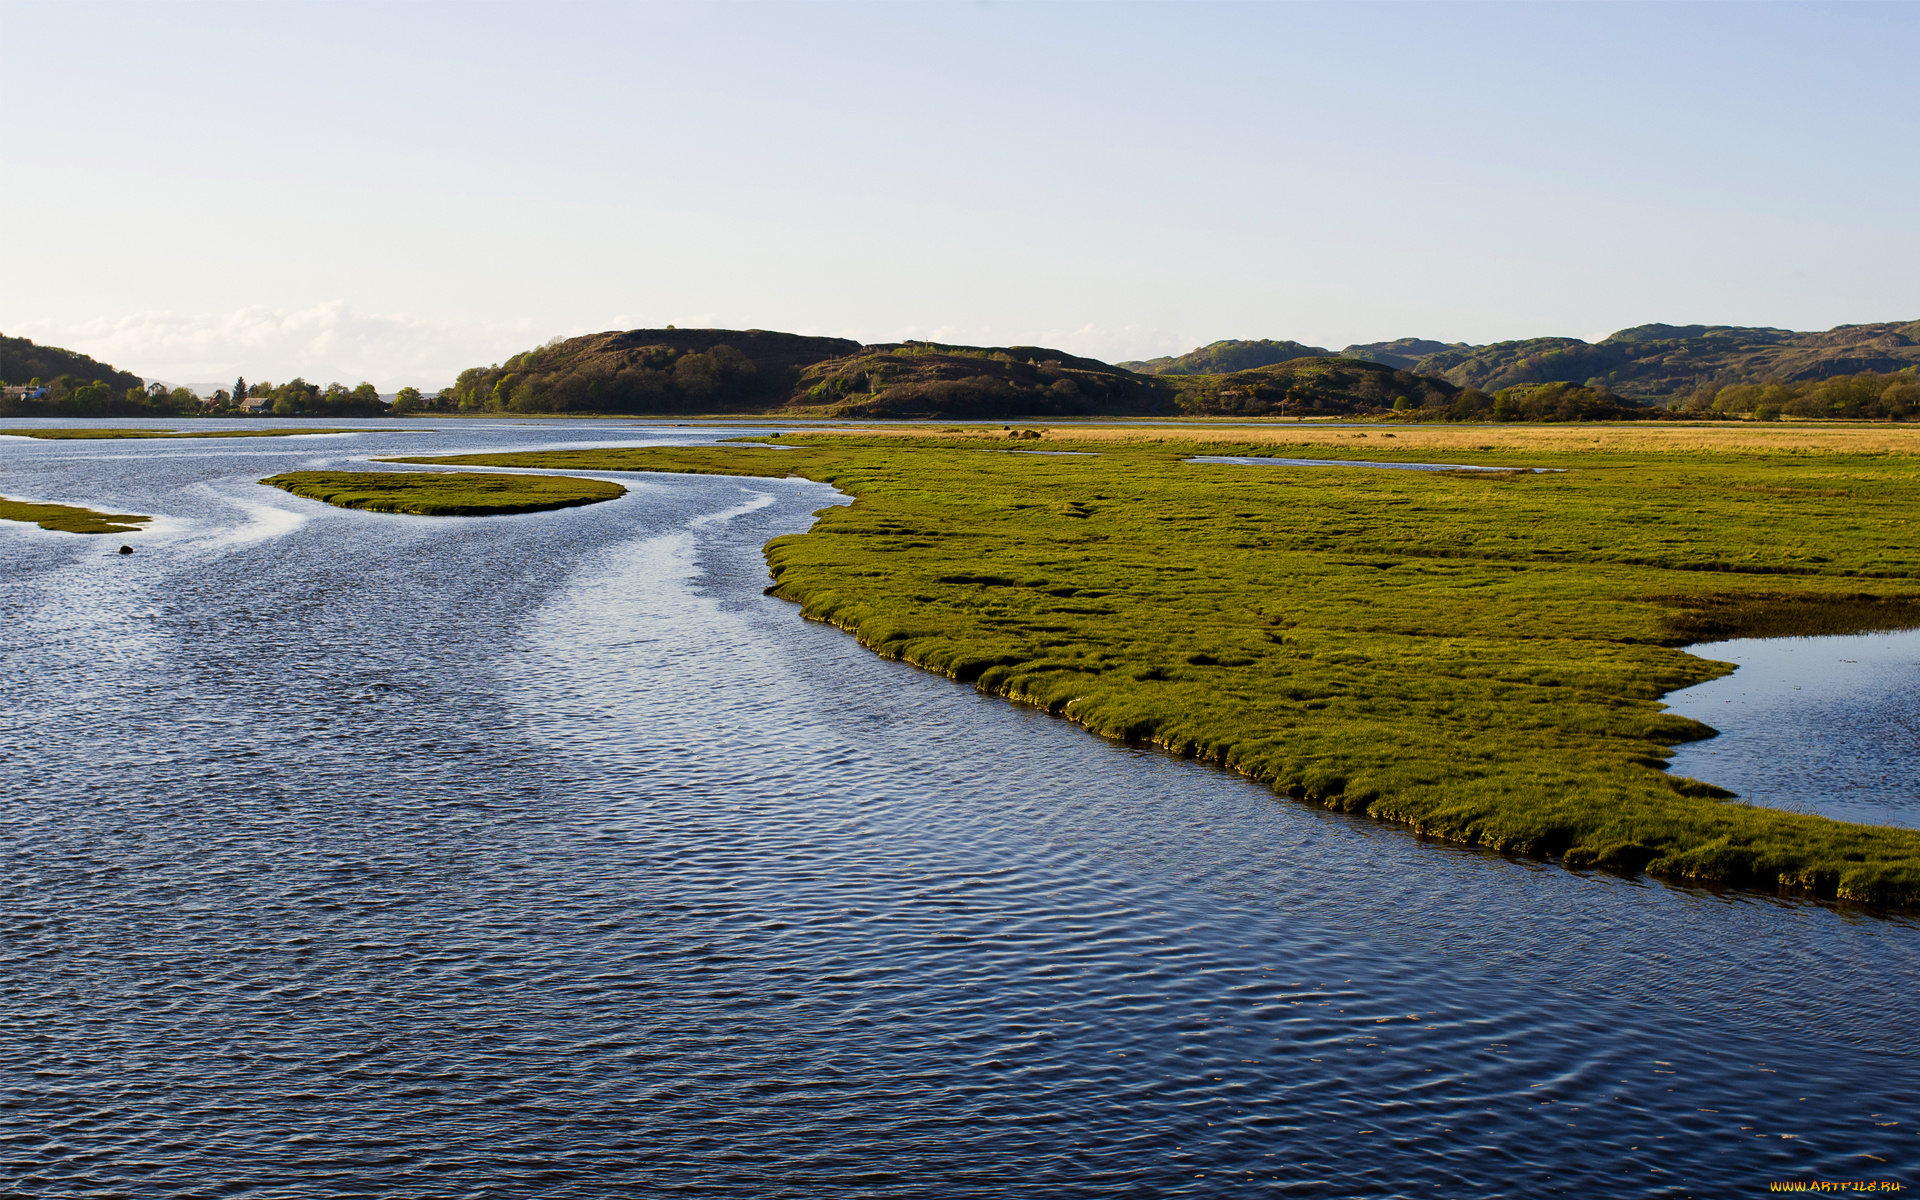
(348,853)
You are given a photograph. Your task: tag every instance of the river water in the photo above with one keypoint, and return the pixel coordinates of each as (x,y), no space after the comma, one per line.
(350,853)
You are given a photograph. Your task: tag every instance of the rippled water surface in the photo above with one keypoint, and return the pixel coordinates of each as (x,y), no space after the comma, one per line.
(349,853)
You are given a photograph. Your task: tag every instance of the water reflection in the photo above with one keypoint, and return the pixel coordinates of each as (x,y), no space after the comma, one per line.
(1829,725)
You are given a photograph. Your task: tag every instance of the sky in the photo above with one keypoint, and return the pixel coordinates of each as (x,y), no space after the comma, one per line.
(394,192)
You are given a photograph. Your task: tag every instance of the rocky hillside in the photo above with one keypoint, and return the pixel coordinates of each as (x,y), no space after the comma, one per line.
(1664,362)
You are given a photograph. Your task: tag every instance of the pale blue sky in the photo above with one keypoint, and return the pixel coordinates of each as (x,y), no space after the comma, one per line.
(393,192)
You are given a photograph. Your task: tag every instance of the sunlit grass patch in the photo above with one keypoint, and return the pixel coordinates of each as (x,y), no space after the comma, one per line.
(1479,656)
(67,518)
(439,494)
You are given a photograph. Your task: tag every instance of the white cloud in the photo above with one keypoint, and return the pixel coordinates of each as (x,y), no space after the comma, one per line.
(326,343)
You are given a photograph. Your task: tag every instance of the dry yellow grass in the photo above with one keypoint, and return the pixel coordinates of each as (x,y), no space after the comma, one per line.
(1717,437)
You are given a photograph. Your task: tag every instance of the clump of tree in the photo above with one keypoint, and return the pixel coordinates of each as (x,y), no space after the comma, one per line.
(67,396)
(1307,387)
(298,398)
(1545,402)
(1864,396)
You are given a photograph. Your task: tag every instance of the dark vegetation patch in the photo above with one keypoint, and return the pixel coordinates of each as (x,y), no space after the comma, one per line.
(68,519)
(445,494)
(1481,663)
(1718,616)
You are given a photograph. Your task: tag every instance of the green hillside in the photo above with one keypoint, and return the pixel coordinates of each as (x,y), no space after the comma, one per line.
(1225,357)
(22,362)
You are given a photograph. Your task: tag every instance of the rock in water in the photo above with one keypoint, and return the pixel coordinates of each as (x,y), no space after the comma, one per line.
(126,549)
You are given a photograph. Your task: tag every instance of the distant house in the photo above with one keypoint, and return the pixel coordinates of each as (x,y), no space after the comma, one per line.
(256,404)
(25,393)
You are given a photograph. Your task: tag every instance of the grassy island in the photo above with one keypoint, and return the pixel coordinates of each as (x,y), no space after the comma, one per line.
(82,434)
(67,518)
(441,494)
(1477,655)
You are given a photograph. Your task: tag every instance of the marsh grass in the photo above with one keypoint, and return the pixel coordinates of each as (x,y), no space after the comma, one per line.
(1478,656)
(457,494)
(83,434)
(67,518)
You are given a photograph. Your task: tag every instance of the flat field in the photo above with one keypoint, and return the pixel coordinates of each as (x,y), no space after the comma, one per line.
(1477,655)
(445,494)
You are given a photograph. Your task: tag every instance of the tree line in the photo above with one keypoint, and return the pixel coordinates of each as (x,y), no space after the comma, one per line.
(69,396)
(1868,395)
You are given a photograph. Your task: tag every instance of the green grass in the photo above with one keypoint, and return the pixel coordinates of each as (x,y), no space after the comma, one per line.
(1477,657)
(67,519)
(438,494)
(89,434)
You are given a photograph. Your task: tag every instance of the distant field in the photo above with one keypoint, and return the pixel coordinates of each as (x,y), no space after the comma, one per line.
(1383,440)
(83,434)
(1477,656)
(66,518)
(457,494)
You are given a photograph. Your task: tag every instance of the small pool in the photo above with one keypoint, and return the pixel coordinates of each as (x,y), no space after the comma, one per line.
(1827,725)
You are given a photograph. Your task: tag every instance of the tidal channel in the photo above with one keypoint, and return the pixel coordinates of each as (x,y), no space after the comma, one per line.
(349,853)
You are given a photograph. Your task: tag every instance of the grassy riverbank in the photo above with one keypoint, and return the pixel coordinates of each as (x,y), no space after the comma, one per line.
(1479,656)
(66,518)
(445,494)
(83,434)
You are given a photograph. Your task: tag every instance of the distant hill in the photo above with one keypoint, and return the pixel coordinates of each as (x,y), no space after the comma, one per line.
(927,379)
(1657,363)
(1405,353)
(1224,357)
(22,362)
(755,371)
(1662,362)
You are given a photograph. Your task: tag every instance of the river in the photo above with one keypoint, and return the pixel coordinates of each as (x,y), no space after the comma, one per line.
(350,853)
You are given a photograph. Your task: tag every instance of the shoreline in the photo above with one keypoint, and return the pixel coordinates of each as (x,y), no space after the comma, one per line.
(1503,695)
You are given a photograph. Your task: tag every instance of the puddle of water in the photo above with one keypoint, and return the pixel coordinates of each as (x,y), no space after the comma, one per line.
(1829,725)
(1337,462)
